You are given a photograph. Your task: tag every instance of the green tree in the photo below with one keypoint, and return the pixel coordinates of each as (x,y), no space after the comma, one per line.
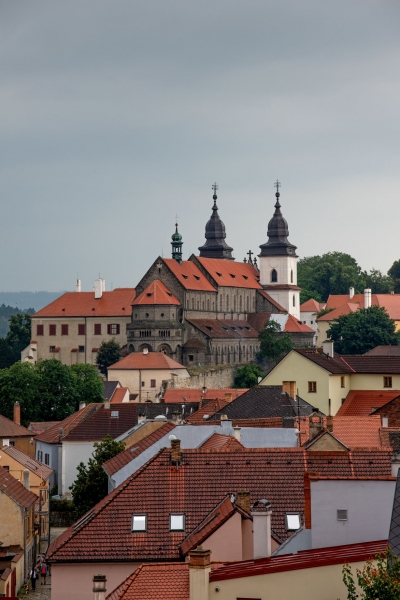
(6,355)
(108,354)
(360,331)
(377,282)
(91,484)
(307,294)
(379,579)
(247,376)
(88,383)
(273,343)
(19,334)
(20,383)
(394,274)
(58,394)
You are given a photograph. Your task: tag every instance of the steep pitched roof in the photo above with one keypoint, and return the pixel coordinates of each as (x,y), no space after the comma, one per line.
(84,304)
(15,490)
(10,429)
(231,274)
(119,395)
(222,442)
(52,435)
(37,427)
(109,388)
(28,462)
(113,421)
(384,351)
(156,293)
(225,328)
(169,581)
(336,365)
(344,309)
(311,305)
(208,409)
(363,402)
(151,360)
(194,395)
(194,488)
(293,325)
(189,275)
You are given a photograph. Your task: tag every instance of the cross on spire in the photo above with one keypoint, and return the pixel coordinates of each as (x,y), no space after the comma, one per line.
(214,187)
(277,184)
(250,254)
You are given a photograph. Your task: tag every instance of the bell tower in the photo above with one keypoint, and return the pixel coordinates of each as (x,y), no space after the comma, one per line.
(177,245)
(278,263)
(215,246)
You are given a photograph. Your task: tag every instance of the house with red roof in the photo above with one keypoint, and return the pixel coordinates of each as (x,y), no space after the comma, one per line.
(308,314)
(72,327)
(12,433)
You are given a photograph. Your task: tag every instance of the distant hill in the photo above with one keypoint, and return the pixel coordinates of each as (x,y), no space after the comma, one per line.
(25,300)
(5,314)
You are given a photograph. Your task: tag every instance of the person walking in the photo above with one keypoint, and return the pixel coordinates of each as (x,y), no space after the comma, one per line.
(43,573)
(33,574)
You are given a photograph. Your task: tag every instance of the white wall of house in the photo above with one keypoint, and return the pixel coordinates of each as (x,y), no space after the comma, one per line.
(43,448)
(70,455)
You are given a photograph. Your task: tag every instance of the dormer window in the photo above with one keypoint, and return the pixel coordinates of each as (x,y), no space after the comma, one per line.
(219,274)
(197,277)
(233,276)
(177,522)
(185,277)
(139,523)
(245,277)
(274,276)
(149,294)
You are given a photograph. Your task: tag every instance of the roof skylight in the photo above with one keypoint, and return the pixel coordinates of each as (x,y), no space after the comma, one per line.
(293,521)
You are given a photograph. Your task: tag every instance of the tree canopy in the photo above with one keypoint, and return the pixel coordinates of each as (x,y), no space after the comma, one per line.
(17,337)
(247,376)
(379,579)
(49,390)
(273,343)
(360,331)
(108,354)
(91,484)
(394,274)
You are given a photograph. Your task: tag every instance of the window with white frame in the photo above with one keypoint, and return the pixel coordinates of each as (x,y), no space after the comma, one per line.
(139,523)
(177,522)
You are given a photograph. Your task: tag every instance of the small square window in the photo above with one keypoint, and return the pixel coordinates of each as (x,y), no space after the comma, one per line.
(341,514)
(312,387)
(387,382)
(139,523)
(114,414)
(153,383)
(176,522)
(52,349)
(191,357)
(293,522)
(81,348)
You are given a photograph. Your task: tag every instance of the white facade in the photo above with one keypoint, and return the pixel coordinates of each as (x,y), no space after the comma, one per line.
(278,271)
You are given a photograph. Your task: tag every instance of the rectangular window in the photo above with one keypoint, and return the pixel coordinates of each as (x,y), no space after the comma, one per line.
(81,329)
(312,387)
(139,523)
(293,522)
(52,329)
(387,382)
(81,348)
(342,382)
(142,383)
(6,442)
(47,459)
(190,357)
(97,329)
(12,443)
(52,349)
(6,468)
(39,329)
(40,456)
(113,329)
(152,383)
(64,329)
(176,522)
(341,514)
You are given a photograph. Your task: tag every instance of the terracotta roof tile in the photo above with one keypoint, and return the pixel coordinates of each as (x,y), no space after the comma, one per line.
(365,363)
(222,442)
(166,581)
(363,402)
(344,309)
(207,410)
(333,365)
(28,462)
(227,273)
(41,426)
(194,488)
(225,328)
(15,490)
(384,351)
(189,275)
(391,302)
(151,360)
(195,395)
(81,304)
(311,305)
(52,435)
(194,343)
(118,395)
(115,421)
(156,293)
(293,325)
(353,432)
(10,429)
(258,320)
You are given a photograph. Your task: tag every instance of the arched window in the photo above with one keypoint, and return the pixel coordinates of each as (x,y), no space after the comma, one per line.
(291,276)
(274,276)
(294,300)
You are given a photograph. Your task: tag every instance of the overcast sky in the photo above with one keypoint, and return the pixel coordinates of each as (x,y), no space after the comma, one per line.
(116,115)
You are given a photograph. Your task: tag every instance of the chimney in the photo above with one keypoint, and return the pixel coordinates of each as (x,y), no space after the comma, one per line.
(261,513)
(103,285)
(385,421)
(351,293)
(236,433)
(82,404)
(17,413)
(243,500)
(290,388)
(78,286)
(141,418)
(228,397)
(328,348)
(329,423)
(199,572)
(367,298)
(224,417)
(106,404)
(316,426)
(176,452)
(99,587)
(145,351)
(26,479)
(98,289)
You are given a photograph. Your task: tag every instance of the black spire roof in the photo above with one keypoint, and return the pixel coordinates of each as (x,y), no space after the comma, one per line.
(278,232)
(215,246)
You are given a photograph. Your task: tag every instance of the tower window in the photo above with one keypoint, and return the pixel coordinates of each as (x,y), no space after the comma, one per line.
(274,276)
(294,300)
(291,276)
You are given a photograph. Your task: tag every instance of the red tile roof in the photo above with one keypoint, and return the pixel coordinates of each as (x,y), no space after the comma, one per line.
(194,488)
(118,395)
(366,363)
(157,581)
(311,305)
(208,409)
(258,320)
(227,273)
(113,421)
(353,432)
(384,351)
(344,309)
(9,429)
(84,304)
(151,360)
(189,275)
(304,559)
(123,458)
(391,302)
(15,490)
(225,328)
(156,293)
(52,435)
(195,395)
(333,365)
(292,325)
(360,403)
(41,426)
(194,343)
(223,442)
(28,462)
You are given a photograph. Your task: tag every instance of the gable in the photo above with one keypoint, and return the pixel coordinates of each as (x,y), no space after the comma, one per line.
(326,441)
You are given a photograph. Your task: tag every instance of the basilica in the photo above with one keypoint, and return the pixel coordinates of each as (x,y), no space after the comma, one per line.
(209,309)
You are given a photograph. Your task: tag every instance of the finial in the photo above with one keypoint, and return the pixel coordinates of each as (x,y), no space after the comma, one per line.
(250,254)
(277,184)
(245,260)
(215,188)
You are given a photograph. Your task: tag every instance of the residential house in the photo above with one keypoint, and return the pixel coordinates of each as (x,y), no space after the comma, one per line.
(132,526)
(17,463)
(72,327)
(12,433)
(144,373)
(364,402)
(11,570)
(17,523)
(309,311)
(325,379)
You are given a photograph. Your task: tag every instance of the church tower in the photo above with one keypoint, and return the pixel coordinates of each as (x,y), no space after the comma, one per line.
(278,263)
(215,246)
(177,245)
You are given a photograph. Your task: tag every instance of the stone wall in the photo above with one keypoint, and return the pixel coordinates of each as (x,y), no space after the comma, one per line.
(218,377)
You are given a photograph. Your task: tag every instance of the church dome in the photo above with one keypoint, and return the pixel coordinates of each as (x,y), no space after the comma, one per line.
(215,246)
(176,237)
(278,233)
